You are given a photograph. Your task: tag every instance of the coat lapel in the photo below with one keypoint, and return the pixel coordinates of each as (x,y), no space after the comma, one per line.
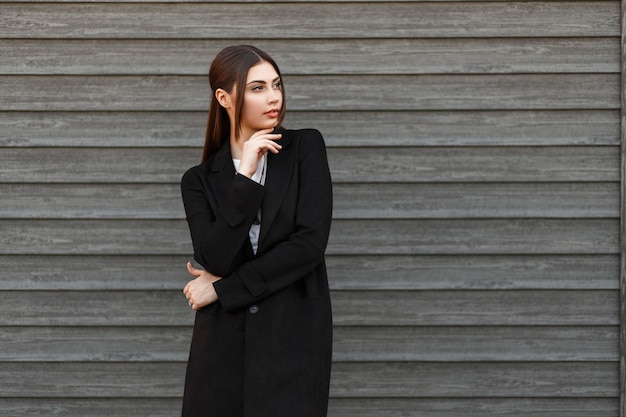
(221,174)
(220,178)
(279,174)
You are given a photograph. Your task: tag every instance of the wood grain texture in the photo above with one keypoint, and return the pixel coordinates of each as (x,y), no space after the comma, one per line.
(384,237)
(474,237)
(475,380)
(351,344)
(485,308)
(345,56)
(475,148)
(351,308)
(347,165)
(347,272)
(350,201)
(338,407)
(622,275)
(385,272)
(332,20)
(512,380)
(319,92)
(344,129)
(472,407)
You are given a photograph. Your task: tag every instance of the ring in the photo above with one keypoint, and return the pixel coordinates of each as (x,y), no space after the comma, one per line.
(189,302)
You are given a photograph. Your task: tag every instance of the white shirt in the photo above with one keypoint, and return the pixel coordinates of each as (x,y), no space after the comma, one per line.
(259,177)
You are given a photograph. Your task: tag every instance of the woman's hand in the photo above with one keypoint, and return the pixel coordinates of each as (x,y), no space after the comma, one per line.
(255,147)
(200,291)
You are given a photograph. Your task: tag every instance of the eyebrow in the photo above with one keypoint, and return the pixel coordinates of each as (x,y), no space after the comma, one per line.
(263,82)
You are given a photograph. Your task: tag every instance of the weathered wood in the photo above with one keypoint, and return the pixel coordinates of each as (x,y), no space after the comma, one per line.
(485,308)
(92,380)
(475,164)
(319,92)
(351,308)
(140,273)
(474,237)
(471,407)
(476,200)
(475,380)
(383,237)
(92,407)
(385,272)
(622,275)
(338,407)
(331,20)
(366,272)
(164,380)
(347,165)
(475,152)
(418,128)
(92,201)
(349,56)
(622,307)
(360,344)
(450,344)
(350,201)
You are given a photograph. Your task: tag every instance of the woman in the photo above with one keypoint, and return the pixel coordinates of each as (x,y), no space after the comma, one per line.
(259,211)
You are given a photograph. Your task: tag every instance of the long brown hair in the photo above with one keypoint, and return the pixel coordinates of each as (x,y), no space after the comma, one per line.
(230,69)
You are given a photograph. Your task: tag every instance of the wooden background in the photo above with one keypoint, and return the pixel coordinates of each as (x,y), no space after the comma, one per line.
(475,152)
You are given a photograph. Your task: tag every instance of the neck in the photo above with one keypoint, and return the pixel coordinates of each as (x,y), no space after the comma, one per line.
(236,144)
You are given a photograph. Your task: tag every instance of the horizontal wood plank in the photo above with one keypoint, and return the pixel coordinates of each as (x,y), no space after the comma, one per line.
(473,407)
(484,308)
(351,344)
(475,380)
(331,20)
(350,380)
(319,92)
(351,308)
(476,200)
(338,407)
(347,237)
(349,165)
(475,164)
(93,407)
(354,272)
(373,129)
(346,56)
(386,272)
(474,237)
(350,201)
(489,344)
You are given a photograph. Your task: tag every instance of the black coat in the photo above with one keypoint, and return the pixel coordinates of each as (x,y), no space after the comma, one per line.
(264,349)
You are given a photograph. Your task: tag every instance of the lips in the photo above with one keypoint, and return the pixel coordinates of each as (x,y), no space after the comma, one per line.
(272,113)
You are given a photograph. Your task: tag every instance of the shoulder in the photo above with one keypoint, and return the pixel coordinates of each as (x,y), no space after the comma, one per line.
(304,139)
(195,174)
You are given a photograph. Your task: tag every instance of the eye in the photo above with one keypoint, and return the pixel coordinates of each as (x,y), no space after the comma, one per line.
(258,87)
(278,85)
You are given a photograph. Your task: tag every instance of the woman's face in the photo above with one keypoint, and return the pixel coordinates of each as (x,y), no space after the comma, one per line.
(263,99)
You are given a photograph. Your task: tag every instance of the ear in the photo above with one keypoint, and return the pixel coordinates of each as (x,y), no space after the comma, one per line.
(223,98)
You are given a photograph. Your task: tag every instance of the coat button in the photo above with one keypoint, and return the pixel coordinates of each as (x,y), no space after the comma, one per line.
(253,309)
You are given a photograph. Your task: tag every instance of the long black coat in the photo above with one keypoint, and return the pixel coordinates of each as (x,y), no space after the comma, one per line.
(264,349)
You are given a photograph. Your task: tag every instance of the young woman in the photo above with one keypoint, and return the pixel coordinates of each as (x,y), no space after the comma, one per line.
(259,211)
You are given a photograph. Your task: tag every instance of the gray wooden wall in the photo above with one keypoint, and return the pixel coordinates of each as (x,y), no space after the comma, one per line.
(475,152)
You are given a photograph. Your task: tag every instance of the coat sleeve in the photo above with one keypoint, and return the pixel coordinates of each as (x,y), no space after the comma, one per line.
(219,231)
(301,251)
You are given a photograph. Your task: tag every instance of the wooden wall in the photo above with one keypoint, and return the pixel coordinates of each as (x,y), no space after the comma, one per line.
(475,152)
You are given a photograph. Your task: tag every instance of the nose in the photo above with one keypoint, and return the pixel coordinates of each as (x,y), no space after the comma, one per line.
(273,96)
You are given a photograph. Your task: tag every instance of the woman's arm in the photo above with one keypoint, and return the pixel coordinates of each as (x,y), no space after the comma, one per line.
(217,235)
(302,251)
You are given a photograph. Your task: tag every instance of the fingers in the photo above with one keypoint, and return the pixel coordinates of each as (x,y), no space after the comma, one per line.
(254,148)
